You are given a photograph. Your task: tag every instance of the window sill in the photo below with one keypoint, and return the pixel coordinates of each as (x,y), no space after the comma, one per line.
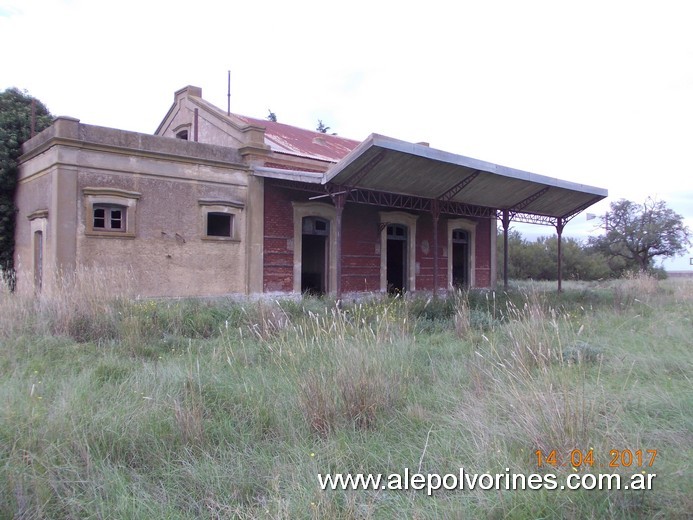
(221,239)
(109,234)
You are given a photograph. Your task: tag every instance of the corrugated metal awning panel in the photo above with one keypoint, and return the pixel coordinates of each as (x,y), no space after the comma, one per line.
(389,165)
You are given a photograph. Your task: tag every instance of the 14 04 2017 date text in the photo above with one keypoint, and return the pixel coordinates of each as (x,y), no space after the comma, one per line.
(615,459)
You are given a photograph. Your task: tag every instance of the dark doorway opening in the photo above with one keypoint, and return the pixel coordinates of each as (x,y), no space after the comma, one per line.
(396,258)
(460,259)
(314,255)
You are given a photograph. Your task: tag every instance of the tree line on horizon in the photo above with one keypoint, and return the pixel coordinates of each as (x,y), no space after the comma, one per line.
(635,236)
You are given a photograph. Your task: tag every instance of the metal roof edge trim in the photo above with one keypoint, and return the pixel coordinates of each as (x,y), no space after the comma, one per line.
(289,175)
(349,158)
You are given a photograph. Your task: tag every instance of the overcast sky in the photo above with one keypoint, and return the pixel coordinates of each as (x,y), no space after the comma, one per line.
(593,91)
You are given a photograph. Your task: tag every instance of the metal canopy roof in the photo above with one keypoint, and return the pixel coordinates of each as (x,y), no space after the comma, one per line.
(389,165)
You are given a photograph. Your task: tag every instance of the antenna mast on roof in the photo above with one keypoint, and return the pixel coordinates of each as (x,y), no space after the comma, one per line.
(228,96)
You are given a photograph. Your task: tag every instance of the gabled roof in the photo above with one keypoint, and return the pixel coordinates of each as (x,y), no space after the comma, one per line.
(292,140)
(386,165)
(278,137)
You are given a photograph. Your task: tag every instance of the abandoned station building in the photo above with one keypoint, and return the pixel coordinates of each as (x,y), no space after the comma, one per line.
(216,203)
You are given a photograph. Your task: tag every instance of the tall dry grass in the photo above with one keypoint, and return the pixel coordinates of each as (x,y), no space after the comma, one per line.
(80,304)
(197,409)
(537,368)
(343,359)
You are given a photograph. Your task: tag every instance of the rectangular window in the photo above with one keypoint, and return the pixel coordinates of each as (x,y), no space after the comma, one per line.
(110,212)
(219,220)
(109,218)
(219,224)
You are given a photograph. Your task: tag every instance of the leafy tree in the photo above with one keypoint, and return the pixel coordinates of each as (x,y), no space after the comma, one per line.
(538,260)
(638,233)
(271,116)
(15,129)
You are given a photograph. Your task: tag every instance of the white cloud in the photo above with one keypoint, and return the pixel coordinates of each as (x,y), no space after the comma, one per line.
(594,92)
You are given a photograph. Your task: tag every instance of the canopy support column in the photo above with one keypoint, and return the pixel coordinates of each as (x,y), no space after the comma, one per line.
(339,200)
(559,230)
(435,211)
(506,225)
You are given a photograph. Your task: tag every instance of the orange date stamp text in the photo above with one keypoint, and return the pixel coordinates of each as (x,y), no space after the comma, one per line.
(579,458)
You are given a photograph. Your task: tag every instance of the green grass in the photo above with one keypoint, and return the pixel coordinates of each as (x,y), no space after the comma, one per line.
(220,409)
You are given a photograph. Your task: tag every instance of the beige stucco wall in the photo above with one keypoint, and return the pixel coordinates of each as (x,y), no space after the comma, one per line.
(32,198)
(191,113)
(169,254)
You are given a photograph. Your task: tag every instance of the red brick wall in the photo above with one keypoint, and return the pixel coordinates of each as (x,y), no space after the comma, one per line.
(424,237)
(279,235)
(360,248)
(425,252)
(360,245)
(483,253)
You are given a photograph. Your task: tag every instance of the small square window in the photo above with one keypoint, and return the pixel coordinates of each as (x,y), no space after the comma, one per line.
(218,220)
(219,224)
(109,218)
(396,232)
(110,212)
(320,225)
(459,236)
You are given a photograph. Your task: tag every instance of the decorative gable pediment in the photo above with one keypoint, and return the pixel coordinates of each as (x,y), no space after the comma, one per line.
(193,119)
